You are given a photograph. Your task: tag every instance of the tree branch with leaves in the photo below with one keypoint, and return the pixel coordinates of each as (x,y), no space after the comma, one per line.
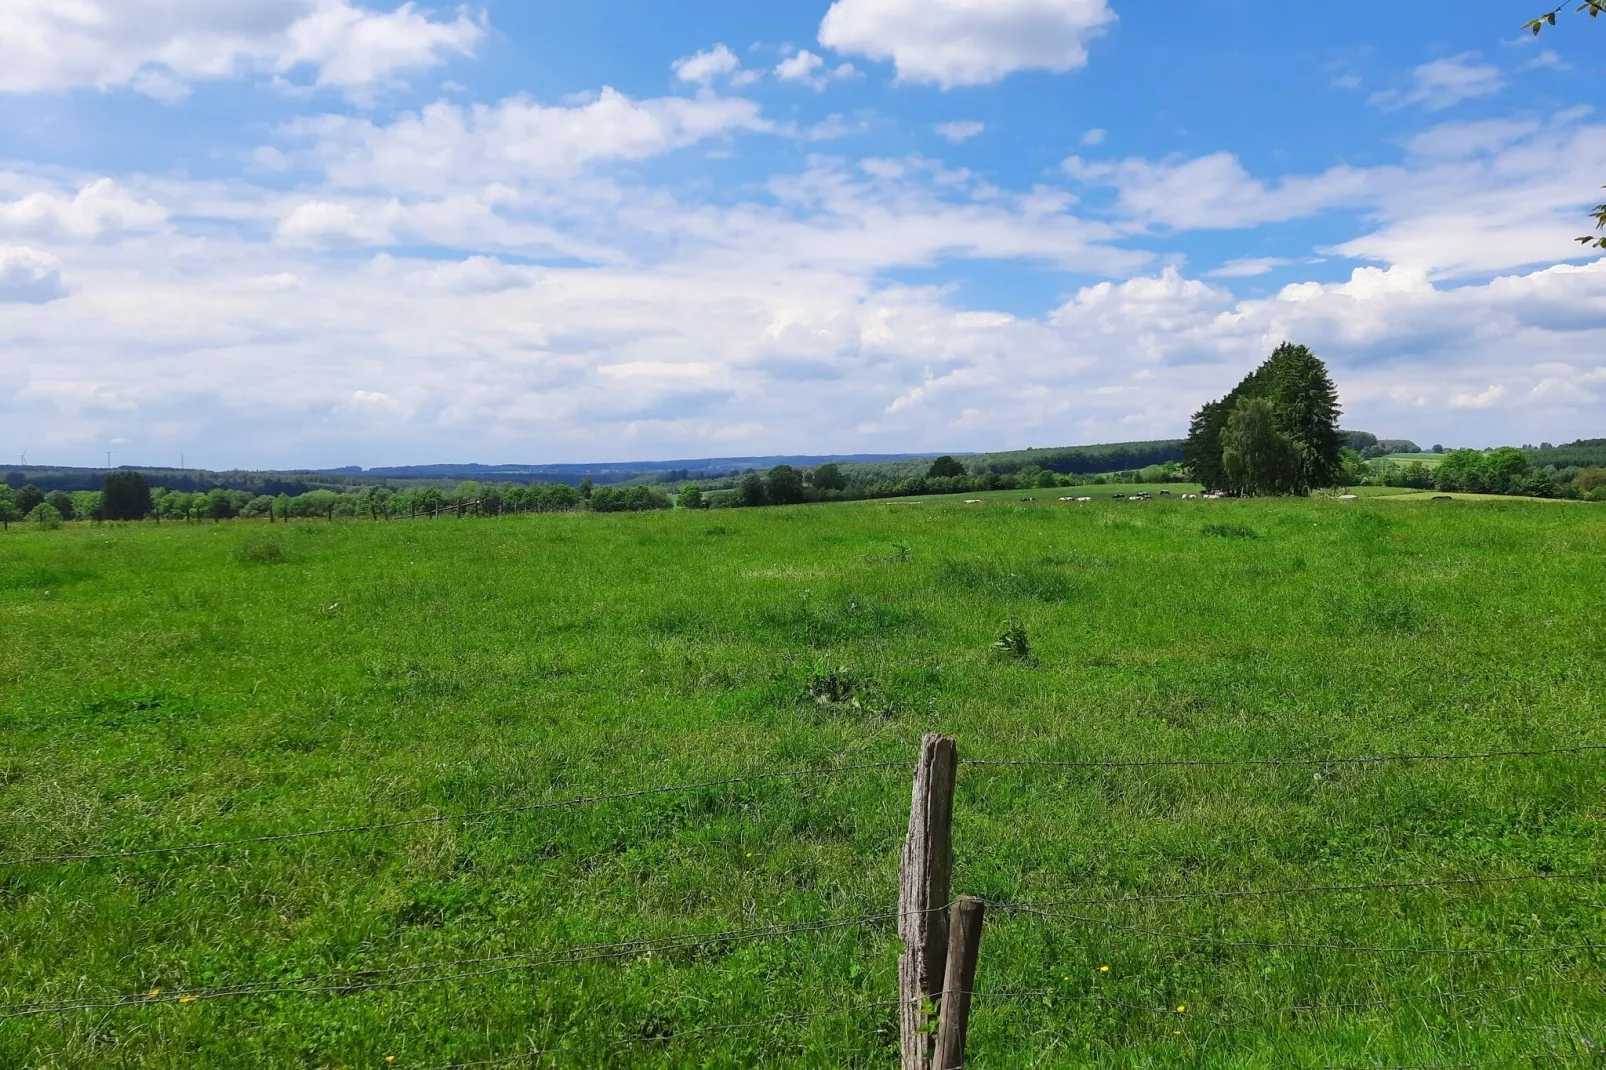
(1595,8)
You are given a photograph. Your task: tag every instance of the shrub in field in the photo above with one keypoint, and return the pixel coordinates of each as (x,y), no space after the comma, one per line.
(261,550)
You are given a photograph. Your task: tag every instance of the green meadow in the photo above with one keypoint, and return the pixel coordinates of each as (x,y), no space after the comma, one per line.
(171,684)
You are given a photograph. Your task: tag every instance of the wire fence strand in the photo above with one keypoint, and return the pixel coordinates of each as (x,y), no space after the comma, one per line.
(1194,938)
(436,819)
(670,1037)
(345,982)
(1214,763)
(1309,889)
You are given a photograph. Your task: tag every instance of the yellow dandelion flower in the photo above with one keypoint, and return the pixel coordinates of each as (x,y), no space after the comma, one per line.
(186,999)
(390,1058)
(1182,1008)
(1104,969)
(155,992)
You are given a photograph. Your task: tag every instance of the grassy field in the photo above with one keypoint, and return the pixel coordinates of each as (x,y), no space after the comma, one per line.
(1432,460)
(171,684)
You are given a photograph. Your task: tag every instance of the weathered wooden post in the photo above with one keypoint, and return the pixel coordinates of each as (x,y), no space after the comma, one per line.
(959,979)
(923,897)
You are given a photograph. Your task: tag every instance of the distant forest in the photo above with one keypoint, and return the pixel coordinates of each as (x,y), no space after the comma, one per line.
(53,495)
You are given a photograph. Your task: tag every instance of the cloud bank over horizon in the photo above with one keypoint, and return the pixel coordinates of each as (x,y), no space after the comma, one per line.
(360,234)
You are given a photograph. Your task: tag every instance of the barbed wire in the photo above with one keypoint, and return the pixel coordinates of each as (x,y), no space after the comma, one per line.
(1211,763)
(349,981)
(1294,945)
(779,1019)
(436,819)
(1310,889)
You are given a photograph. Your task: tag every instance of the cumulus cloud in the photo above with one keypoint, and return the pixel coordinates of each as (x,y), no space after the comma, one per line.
(28,276)
(960,130)
(705,66)
(162,47)
(809,69)
(98,209)
(966,42)
(1444,83)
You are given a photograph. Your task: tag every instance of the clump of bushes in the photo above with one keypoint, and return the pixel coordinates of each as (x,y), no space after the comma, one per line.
(261,550)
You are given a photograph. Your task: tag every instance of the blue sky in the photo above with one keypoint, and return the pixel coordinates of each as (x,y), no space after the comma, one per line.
(320,232)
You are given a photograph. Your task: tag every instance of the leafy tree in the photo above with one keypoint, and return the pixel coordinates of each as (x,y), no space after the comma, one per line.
(944,467)
(9,512)
(87,505)
(46,516)
(1256,456)
(125,496)
(29,497)
(219,505)
(257,507)
(1046,479)
(690,497)
(784,485)
(61,502)
(751,489)
(1504,468)
(829,477)
(1416,474)
(586,487)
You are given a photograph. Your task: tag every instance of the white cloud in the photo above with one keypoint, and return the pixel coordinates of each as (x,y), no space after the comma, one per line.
(517,139)
(1465,399)
(99,208)
(1248,267)
(161,47)
(705,66)
(1471,198)
(1444,83)
(1215,192)
(1094,136)
(966,42)
(960,130)
(809,69)
(28,276)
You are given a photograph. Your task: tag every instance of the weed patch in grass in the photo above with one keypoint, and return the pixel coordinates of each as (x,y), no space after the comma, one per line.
(1228,531)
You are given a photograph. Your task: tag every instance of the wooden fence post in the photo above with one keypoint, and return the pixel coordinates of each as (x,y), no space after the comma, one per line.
(964,944)
(923,897)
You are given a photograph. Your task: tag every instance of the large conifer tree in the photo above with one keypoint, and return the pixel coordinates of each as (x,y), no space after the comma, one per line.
(1305,410)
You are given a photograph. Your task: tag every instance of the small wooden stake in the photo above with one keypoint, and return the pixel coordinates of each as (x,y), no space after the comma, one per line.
(923,896)
(964,944)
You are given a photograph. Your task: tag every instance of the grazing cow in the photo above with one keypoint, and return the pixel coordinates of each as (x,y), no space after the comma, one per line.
(972,501)
(1443,498)
(1028,499)
(1165,494)
(1084,499)
(1118,495)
